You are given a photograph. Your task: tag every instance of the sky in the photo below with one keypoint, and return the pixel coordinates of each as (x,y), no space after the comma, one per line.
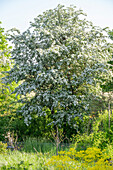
(19,13)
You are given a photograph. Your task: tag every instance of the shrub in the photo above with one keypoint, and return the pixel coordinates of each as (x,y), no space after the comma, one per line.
(91,158)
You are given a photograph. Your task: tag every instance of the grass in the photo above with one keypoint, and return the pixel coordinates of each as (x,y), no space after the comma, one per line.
(36,155)
(35,145)
(42,146)
(21,160)
(91,159)
(33,156)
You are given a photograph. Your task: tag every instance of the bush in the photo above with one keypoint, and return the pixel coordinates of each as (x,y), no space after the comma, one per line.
(96,139)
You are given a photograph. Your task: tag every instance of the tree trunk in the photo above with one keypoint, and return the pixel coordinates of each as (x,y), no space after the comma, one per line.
(57,140)
(109,112)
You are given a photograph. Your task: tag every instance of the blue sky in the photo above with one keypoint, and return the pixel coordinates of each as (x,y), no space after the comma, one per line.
(18,13)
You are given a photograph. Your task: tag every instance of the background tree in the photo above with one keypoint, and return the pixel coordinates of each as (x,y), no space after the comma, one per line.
(9,120)
(60,60)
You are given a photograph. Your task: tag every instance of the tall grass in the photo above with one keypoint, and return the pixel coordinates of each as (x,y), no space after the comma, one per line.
(42,146)
(33,155)
(34,145)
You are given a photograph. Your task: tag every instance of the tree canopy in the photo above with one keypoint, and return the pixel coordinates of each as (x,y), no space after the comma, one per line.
(59,60)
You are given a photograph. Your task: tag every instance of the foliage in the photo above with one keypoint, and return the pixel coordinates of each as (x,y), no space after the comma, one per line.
(59,60)
(4,50)
(3,147)
(8,103)
(39,125)
(111,34)
(100,135)
(98,139)
(4,66)
(37,145)
(91,158)
(19,161)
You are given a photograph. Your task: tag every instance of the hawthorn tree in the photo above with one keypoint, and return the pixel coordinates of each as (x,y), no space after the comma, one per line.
(59,60)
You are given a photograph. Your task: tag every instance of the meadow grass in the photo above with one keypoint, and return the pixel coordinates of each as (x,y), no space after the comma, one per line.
(33,155)
(21,160)
(42,156)
(35,145)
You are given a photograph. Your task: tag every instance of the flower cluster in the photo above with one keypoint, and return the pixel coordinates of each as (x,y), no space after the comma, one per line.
(91,159)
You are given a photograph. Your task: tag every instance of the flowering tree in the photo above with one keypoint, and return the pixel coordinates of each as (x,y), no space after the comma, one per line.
(58,60)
